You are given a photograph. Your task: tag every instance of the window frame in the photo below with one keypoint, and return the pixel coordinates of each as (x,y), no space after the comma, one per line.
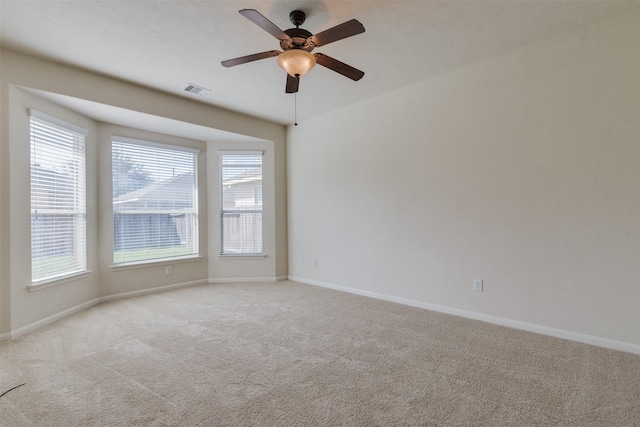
(76,203)
(195,233)
(240,255)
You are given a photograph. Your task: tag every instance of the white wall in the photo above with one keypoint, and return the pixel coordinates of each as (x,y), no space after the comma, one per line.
(20,309)
(522,170)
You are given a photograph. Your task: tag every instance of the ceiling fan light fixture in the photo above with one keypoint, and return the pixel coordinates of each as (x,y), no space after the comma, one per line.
(296,62)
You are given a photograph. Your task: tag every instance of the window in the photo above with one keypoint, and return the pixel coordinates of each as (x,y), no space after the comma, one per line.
(241,190)
(155,201)
(58,198)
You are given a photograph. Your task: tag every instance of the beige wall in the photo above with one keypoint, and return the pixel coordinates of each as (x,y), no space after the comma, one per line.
(522,170)
(118,280)
(248,268)
(5,303)
(20,308)
(28,307)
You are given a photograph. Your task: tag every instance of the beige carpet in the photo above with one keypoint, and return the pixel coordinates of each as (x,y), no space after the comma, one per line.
(284,354)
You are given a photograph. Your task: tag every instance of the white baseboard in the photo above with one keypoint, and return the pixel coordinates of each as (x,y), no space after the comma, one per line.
(5,336)
(531,327)
(58,316)
(152,290)
(246,279)
(73,310)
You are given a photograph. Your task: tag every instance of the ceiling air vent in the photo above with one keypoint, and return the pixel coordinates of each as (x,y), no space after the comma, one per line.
(197,90)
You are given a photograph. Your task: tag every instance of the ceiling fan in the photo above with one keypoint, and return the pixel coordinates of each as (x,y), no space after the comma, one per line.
(297,44)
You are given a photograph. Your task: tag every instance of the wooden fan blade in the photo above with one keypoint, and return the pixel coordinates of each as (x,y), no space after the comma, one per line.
(262,22)
(250,58)
(339,32)
(292,84)
(339,67)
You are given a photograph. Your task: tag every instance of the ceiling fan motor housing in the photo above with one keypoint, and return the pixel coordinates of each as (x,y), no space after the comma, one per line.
(299,40)
(298,35)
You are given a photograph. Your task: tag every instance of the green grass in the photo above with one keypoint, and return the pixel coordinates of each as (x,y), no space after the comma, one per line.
(131,255)
(50,265)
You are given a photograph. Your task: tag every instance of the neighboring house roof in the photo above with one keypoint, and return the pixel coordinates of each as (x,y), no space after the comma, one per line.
(250,175)
(179,189)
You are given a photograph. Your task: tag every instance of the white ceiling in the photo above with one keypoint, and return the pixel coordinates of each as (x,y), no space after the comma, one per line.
(169,44)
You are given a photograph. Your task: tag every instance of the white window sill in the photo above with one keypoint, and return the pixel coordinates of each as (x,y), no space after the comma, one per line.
(36,286)
(154,263)
(242,256)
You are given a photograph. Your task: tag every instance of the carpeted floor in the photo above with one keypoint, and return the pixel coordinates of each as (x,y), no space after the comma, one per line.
(284,354)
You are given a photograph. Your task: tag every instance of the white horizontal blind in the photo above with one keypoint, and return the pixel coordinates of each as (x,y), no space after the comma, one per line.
(58,201)
(241,215)
(155,201)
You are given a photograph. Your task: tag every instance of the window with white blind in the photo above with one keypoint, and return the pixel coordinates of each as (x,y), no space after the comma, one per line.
(58,198)
(241,190)
(155,201)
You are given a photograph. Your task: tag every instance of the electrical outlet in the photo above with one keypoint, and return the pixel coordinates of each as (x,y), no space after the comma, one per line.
(477,285)
(168,270)
(313,262)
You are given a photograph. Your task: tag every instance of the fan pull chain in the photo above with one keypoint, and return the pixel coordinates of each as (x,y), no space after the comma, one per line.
(295,109)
